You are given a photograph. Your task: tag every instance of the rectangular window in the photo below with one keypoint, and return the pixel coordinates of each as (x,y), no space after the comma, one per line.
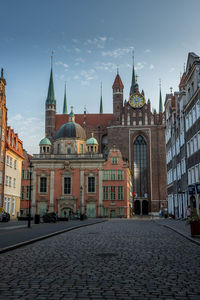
(27,192)
(5,203)
(23,174)
(120,193)
(67,185)
(22,193)
(120,211)
(13,206)
(15,164)
(113,175)
(27,174)
(120,175)
(2,156)
(6,180)
(105,211)
(10,181)
(8,160)
(8,205)
(11,162)
(105,192)
(43,184)
(113,193)
(14,182)
(91,184)
(105,175)
(196,173)
(114,160)
(0,177)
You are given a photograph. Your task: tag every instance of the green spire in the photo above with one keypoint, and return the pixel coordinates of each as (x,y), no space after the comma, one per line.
(65,103)
(101,102)
(160,101)
(50,96)
(133,79)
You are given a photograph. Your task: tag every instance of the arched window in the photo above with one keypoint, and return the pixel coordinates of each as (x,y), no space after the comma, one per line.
(69,150)
(140,166)
(58,148)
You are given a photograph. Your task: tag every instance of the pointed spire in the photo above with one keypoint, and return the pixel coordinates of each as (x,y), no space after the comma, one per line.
(133,82)
(160,100)
(50,96)
(65,103)
(101,102)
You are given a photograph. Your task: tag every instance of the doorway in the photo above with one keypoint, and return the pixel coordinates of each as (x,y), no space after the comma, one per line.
(145,207)
(137,207)
(112,213)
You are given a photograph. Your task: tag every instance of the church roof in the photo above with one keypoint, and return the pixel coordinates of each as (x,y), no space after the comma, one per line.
(71,130)
(45,141)
(118,82)
(92,141)
(182,81)
(91,119)
(50,96)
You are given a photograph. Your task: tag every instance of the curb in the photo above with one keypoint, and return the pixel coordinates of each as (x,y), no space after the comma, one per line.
(180,233)
(16,246)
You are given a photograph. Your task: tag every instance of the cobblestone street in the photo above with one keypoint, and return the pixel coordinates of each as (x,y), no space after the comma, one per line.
(118,259)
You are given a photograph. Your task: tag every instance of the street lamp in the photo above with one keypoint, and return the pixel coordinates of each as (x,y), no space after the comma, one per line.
(29,203)
(81,193)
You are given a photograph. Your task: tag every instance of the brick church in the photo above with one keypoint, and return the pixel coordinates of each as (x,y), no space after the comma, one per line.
(133,131)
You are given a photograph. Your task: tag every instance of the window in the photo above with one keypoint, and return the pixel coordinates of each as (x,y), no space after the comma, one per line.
(113,193)
(69,150)
(8,160)
(22,193)
(10,181)
(196,173)
(194,114)
(27,174)
(91,184)
(105,175)
(2,156)
(120,193)
(120,211)
(105,211)
(0,177)
(8,205)
(113,175)
(6,180)
(13,206)
(67,185)
(15,164)
(11,162)
(23,174)
(43,184)
(14,182)
(120,175)
(114,160)
(81,148)
(105,192)
(140,166)
(58,149)
(5,203)
(27,192)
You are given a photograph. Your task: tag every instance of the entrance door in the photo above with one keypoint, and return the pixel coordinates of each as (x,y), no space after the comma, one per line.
(137,207)
(91,210)
(42,208)
(112,213)
(145,207)
(65,210)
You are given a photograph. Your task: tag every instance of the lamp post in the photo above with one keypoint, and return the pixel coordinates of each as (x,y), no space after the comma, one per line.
(29,203)
(81,195)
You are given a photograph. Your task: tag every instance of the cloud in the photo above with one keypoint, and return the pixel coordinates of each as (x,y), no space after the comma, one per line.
(75,41)
(77,50)
(99,42)
(76,77)
(172,70)
(117,52)
(89,51)
(79,60)
(147,51)
(151,67)
(60,63)
(87,76)
(105,66)
(140,66)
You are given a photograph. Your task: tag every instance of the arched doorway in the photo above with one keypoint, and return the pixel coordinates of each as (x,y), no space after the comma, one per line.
(145,207)
(137,207)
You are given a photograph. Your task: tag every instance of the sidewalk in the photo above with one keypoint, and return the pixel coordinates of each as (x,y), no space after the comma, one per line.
(180,227)
(15,234)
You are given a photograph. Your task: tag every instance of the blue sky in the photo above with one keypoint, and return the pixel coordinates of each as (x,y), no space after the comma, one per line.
(89,39)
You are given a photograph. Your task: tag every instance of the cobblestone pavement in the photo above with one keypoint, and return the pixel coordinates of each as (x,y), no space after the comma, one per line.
(118,259)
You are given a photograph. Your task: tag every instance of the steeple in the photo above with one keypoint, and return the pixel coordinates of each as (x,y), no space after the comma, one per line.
(160,100)
(133,82)
(101,102)
(65,103)
(50,96)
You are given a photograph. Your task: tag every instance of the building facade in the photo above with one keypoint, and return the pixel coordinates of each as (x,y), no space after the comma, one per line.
(13,171)
(138,133)
(183,141)
(3,126)
(71,175)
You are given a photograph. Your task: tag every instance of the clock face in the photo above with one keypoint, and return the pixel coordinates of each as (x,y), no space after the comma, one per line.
(136,100)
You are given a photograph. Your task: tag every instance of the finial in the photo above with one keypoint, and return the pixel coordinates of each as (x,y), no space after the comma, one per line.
(171,89)
(52,58)
(1,72)
(92,133)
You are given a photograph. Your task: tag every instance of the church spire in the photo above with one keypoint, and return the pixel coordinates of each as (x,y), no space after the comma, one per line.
(50,96)
(133,82)
(160,99)
(65,103)
(101,102)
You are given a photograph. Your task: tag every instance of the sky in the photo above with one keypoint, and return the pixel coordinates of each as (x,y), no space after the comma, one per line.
(89,40)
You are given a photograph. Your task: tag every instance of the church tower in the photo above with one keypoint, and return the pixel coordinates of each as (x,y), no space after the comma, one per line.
(50,105)
(117,99)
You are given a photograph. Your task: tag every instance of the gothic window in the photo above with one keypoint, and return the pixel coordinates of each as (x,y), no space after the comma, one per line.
(140,166)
